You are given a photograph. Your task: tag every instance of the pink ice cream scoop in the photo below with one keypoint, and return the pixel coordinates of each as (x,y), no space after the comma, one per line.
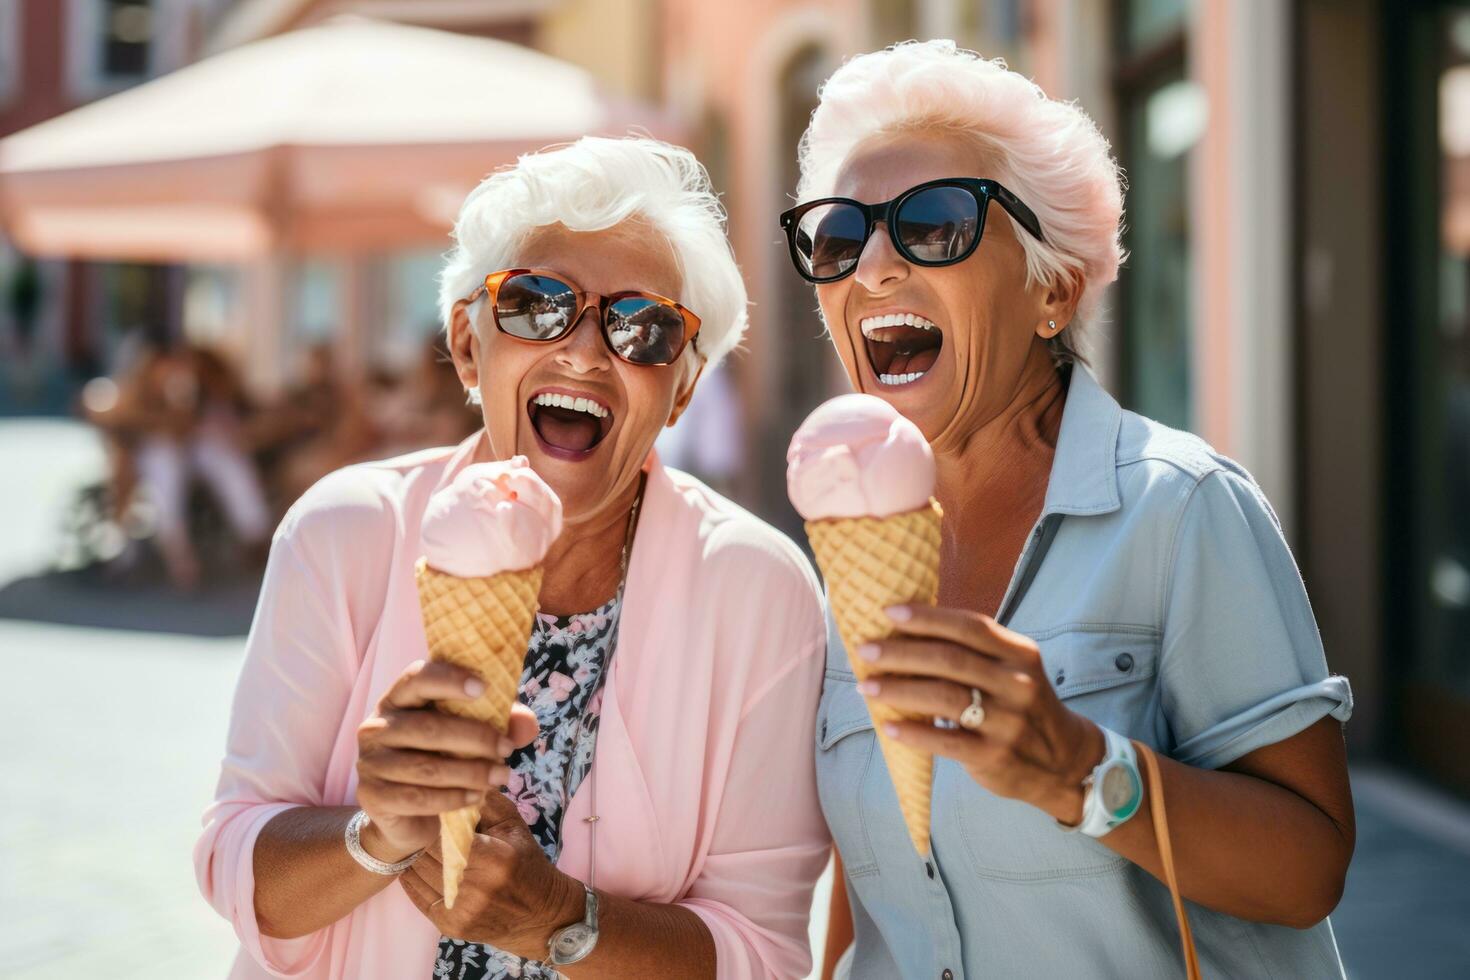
(856,456)
(492,518)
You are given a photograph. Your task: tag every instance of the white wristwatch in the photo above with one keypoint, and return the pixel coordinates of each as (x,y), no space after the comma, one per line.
(574,943)
(1113,791)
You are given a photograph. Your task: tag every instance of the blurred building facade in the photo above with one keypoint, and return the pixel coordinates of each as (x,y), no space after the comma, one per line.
(58,318)
(1298,220)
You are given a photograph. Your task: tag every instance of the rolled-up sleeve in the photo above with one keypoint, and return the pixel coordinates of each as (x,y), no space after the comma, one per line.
(1242,662)
(288,706)
(770,842)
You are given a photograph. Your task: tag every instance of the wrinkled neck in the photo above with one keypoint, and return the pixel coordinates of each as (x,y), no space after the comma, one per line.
(992,490)
(1003,458)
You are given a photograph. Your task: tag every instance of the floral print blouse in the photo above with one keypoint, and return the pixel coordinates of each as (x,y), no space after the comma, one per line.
(562,680)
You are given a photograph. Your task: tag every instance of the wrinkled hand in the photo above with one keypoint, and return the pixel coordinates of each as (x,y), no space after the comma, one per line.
(1030,746)
(511,897)
(415,762)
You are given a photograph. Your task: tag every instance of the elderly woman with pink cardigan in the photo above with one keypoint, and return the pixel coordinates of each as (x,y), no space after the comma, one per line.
(674,829)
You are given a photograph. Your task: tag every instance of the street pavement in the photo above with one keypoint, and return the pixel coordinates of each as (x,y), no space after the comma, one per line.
(114,731)
(114,739)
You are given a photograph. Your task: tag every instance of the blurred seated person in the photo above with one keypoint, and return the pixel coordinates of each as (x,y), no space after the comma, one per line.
(422,408)
(307,409)
(427,407)
(188,412)
(317,426)
(116,407)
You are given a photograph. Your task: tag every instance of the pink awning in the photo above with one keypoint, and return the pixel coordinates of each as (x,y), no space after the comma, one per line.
(350,136)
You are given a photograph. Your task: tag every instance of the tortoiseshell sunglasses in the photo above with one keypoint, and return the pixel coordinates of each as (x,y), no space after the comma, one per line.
(540,306)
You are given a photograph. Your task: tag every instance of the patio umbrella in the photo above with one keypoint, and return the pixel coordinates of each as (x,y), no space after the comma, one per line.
(347,137)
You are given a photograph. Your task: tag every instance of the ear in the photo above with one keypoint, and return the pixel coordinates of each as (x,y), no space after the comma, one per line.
(1059,304)
(682,401)
(464,345)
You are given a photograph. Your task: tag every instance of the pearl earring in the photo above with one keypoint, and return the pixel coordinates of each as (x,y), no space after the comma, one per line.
(1051,325)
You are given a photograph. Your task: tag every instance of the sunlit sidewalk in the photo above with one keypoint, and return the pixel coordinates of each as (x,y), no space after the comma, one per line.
(114,743)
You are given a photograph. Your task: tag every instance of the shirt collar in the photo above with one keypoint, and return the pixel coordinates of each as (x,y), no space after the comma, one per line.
(1084,472)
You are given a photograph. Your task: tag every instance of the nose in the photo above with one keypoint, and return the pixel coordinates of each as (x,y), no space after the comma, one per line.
(880,267)
(583,351)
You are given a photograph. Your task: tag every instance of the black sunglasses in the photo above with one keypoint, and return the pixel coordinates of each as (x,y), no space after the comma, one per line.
(938,222)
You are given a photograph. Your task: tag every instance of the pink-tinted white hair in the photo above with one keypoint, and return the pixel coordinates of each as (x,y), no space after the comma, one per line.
(1049,153)
(597,183)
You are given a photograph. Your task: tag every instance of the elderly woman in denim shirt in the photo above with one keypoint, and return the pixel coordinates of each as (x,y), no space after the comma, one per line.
(1104,578)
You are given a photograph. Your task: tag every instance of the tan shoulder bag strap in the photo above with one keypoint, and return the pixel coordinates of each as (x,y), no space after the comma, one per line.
(1155,792)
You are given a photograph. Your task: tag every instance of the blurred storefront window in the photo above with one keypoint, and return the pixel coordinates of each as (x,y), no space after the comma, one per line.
(1436,714)
(212,300)
(412,308)
(111,44)
(317,302)
(130,306)
(10,49)
(998,22)
(1162,116)
(892,20)
(127,30)
(1148,22)
(802,353)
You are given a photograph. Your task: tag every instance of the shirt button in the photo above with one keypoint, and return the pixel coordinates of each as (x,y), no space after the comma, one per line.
(947,975)
(1124,662)
(824,731)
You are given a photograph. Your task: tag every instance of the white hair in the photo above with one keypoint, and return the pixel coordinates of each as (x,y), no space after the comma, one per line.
(594,184)
(1049,153)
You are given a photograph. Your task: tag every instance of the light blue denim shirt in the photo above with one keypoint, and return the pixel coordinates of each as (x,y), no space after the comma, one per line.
(1167,608)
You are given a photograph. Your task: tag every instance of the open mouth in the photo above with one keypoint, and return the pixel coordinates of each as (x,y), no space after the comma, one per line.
(902,347)
(569,426)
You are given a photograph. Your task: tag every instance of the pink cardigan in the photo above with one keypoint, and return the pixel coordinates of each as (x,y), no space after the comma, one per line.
(705,746)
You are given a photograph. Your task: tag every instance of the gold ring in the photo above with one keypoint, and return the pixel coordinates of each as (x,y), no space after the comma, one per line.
(974,715)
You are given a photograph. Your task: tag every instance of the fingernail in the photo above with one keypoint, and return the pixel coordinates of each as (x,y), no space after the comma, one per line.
(471,796)
(498,775)
(867,688)
(890,729)
(869,651)
(474,687)
(505,746)
(899,614)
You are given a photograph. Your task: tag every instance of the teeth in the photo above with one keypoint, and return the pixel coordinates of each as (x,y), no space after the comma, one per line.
(901,379)
(587,405)
(872,323)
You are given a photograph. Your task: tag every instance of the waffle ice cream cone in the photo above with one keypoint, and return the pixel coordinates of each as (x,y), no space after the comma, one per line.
(484,538)
(483,624)
(863,477)
(871,563)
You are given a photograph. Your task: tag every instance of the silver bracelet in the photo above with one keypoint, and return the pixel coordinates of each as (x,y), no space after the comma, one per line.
(362,857)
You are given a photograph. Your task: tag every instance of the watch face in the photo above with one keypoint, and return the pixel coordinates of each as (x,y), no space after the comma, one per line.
(571,940)
(1118,790)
